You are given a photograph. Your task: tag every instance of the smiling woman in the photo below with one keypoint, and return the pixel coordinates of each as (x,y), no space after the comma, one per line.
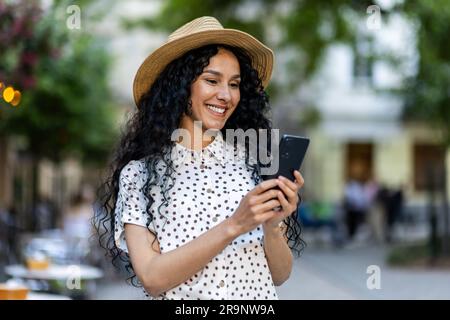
(191,223)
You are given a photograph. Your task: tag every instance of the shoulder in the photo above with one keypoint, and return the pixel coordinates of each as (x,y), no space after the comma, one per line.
(137,171)
(133,170)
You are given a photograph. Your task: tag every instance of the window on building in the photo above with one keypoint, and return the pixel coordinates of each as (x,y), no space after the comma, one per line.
(363,62)
(429,164)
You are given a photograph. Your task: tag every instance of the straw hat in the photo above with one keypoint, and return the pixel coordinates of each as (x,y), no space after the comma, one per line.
(197,33)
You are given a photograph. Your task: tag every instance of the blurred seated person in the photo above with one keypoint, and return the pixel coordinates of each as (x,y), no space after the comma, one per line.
(77,219)
(316,215)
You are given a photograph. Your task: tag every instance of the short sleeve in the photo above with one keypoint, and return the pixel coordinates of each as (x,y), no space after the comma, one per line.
(131,205)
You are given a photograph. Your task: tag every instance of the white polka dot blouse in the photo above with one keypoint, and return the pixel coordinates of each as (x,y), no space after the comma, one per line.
(208,187)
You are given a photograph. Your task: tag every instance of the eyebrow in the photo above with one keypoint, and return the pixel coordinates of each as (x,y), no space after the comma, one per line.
(217,73)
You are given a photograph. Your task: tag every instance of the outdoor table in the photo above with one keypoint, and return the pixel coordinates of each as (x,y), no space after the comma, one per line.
(46,296)
(75,281)
(55,272)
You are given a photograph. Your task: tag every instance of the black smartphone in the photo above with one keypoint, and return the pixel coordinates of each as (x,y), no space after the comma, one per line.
(292,151)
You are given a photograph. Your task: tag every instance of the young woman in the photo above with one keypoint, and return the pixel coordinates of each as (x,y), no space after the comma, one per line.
(190,222)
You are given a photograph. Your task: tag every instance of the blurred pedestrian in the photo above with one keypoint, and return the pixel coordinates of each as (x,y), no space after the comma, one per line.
(356,206)
(375,211)
(394,209)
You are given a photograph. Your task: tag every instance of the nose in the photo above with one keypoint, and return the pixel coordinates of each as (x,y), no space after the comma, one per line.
(223,94)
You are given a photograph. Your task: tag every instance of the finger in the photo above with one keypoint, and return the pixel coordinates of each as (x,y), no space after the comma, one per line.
(291,194)
(263,186)
(266,206)
(290,184)
(299,178)
(267,195)
(288,208)
(284,203)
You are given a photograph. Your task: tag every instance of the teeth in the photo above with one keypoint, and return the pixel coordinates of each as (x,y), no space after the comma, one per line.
(218,110)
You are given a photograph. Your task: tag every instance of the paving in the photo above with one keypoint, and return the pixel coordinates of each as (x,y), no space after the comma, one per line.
(343,274)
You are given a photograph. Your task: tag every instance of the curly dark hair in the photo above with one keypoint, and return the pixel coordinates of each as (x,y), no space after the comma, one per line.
(148,136)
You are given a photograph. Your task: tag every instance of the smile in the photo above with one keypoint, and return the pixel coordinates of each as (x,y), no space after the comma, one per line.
(216,110)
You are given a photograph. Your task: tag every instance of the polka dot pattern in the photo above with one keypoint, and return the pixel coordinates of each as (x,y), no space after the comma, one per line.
(208,189)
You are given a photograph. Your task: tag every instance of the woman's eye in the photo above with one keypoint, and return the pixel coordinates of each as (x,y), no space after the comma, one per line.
(235,85)
(211,81)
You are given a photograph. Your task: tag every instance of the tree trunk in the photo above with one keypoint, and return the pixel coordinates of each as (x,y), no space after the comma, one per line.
(5,173)
(34,192)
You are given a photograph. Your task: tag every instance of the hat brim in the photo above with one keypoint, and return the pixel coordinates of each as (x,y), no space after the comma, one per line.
(154,64)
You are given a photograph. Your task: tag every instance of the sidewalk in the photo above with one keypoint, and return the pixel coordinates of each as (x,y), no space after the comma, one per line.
(341,274)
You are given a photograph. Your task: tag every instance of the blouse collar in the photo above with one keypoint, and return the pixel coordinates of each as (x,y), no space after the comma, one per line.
(218,149)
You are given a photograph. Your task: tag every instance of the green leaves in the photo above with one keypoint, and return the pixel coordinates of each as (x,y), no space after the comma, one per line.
(427,93)
(69,110)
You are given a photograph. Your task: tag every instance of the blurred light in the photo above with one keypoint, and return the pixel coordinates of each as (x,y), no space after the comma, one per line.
(8,94)
(17,97)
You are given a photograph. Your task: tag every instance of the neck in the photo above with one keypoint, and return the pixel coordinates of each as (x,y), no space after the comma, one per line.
(198,137)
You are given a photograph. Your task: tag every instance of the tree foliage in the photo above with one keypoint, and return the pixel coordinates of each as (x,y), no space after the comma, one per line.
(67,107)
(427,93)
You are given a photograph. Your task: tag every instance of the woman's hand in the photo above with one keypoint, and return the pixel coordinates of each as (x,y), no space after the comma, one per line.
(287,197)
(256,207)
